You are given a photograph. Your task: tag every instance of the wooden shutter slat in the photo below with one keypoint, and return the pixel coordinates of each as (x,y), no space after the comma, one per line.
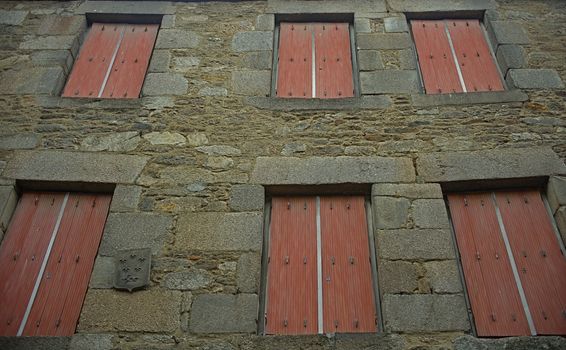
(438,69)
(347,284)
(294,72)
(476,62)
(292,284)
(95,57)
(333,60)
(128,72)
(492,290)
(541,265)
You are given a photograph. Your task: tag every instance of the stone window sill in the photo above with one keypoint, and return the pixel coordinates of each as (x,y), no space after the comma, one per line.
(96,103)
(421,100)
(299,104)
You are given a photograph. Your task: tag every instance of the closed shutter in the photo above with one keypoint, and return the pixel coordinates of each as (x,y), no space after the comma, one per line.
(51,297)
(314,61)
(436,60)
(292,281)
(112,62)
(347,286)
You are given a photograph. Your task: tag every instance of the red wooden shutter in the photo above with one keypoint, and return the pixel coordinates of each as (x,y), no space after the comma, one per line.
(333,60)
(347,284)
(493,294)
(112,62)
(292,277)
(62,287)
(436,61)
(476,62)
(540,263)
(294,72)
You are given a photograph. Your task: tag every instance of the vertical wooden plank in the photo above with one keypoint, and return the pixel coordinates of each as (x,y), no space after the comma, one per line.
(347,283)
(493,294)
(541,265)
(476,62)
(128,72)
(294,72)
(292,281)
(333,60)
(438,69)
(94,58)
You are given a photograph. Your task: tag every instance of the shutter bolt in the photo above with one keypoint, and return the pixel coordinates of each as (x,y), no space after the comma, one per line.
(305,260)
(77,259)
(544,315)
(478,256)
(58,323)
(288,205)
(543,253)
(305,323)
(514,317)
(356,322)
(333,260)
(493,317)
(285,323)
(287,260)
(465,202)
(351,259)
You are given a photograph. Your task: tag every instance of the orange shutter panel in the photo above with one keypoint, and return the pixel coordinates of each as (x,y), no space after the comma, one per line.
(294,72)
(292,277)
(493,293)
(346,268)
(436,61)
(476,62)
(333,60)
(128,72)
(93,62)
(540,263)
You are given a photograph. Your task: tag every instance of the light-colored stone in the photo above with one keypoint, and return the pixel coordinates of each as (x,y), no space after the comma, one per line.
(219,231)
(415,244)
(467,342)
(389,81)
(177,39)
(429,213)
(165,84)
(59,42)
(187,280)
(221,313)
(219,163)
(248,273)
(126,198)
(165,138)
(186,63)
(390,212)
(115,142)
(102,276)
(83,341)
(440,5)
(18,141)
(247,198)
(143,311)
(397,277)
(13,18)
(251,82)
(443,276)
(293,148)
(252,41)
(219,150)
(326,6)
(396,25)
(196,139)
(213,91)
(414,191)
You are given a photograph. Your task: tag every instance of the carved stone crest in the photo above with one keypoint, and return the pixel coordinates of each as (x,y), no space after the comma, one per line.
(132,269)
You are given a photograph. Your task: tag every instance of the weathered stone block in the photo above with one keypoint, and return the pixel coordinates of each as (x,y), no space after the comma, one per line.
(102,276)
(398,277)
(326,6)
(62,25)
(381,341)
(415,191)
(248,273)
(61,58)
(55,165)
(184,64)
(362,25)
(127,7)
(18,141)
(134,231)
(556,192)
(219,150)
(143,311)
(83,341)
(60,42)
(114,142)
(430,213)
(252,41)
(251,82)
(160,60)
(265,22)
(506,32)
(165,138)
(36,80)
(443,276)
(331,170)
(380,41)
(168,21)
(213,91)
(498,97)
(425,313)
(396,25)
(126,198)
(12,18)
(467,342)
(489,164)
(188,280)
(415,244)
(219,231)
(34,343)
(534,79)
(440,5)
(510,56)
(369,60)
(337,104)
(407,59)
(177,39)
(221,313)
(8,202)
(247,198)
(165,84)
(389,81)
(560,218)
(259,60)
(390,212)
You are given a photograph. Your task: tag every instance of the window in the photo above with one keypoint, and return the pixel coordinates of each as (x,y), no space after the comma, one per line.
(112,62)
(314,61)
(319,277)
(512,261)
(46,260)
(454,57)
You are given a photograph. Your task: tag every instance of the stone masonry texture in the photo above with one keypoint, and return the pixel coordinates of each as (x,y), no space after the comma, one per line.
(192,162)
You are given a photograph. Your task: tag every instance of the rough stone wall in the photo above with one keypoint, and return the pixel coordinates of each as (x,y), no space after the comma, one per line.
(194,157)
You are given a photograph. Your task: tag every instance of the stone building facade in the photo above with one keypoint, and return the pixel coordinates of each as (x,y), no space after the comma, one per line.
(192,163)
